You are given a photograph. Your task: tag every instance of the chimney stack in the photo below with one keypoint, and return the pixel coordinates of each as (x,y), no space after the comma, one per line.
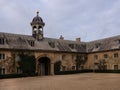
(61,37)
(78,39)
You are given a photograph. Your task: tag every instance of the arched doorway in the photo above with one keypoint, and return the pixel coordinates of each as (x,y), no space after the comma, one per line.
(44,66)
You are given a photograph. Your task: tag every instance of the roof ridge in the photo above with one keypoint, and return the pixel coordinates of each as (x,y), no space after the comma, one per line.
(14,34)
(112,37)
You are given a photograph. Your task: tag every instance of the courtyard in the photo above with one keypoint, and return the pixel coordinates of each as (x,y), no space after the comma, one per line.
(84,81)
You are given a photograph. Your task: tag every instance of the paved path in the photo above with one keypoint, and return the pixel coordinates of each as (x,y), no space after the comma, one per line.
(87,81)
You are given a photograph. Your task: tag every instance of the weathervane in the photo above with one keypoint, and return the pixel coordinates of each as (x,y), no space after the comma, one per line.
(37,13)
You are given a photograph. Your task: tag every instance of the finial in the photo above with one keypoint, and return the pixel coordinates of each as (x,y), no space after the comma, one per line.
(37,13)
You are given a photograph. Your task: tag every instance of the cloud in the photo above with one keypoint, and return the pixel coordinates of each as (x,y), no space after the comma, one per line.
(88,19)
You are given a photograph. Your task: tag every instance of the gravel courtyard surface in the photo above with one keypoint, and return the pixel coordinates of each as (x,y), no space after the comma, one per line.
(86,81)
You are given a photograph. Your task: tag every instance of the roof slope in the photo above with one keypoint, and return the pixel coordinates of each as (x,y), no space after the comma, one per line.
(22,42)
(16,41)
(110,43)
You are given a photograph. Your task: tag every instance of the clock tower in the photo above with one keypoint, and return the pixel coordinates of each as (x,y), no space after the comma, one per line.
(37,27)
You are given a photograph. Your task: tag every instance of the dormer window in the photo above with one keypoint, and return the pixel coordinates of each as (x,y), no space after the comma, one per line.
(52,44)
(97,45)
(90,49)
(72,46)
(2,41)
(118,41)
(31,43)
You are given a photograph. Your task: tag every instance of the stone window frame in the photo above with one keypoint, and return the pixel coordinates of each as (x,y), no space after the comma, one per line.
(73,68)
(96,57)
(116,67)
(74,57)
(118,41)
(116,55)
(2,71)
(31,43)
(2,56)
(73,46)
(64,57)
(2,40)
(97,45)
(105,56)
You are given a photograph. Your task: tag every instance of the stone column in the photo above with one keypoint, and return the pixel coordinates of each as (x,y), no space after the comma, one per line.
(52,68)
(37,67)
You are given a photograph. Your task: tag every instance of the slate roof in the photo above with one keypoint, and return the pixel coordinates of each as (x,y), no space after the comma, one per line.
(21,42)
(106,44)
(16,41)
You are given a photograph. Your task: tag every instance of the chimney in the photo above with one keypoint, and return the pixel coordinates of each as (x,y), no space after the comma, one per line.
(61,37)
(78,40)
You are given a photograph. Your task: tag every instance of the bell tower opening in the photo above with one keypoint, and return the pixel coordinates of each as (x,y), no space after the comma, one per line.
(37,27)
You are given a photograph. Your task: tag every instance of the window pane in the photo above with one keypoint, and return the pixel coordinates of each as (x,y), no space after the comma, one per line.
(63,57)
(95,56)
(1,40)
(115,55)
(105,56)
(115,67)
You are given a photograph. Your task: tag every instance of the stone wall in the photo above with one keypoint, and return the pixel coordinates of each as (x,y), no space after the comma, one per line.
(110,60)
(10,63)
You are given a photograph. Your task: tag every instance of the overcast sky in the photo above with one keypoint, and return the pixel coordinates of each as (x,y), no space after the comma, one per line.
(87,19)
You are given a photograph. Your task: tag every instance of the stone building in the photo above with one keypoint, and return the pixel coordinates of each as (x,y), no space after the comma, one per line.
(74,55)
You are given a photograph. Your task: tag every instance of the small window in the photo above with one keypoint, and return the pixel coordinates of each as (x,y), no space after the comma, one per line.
(71,46)
(63,68)
(63,57)
(81,67)
(73,67)
(2,40)
(115,55)
(2,56)
(2,71)
(95,57)
(115,67)
(52,44)
(73,57)
(32,43)
(118,41)
(105,56)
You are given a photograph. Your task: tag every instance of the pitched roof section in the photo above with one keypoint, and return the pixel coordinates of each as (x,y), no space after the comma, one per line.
(104,44)
(26,42)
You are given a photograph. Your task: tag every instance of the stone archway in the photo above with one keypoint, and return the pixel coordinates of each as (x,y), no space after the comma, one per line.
(44,66)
